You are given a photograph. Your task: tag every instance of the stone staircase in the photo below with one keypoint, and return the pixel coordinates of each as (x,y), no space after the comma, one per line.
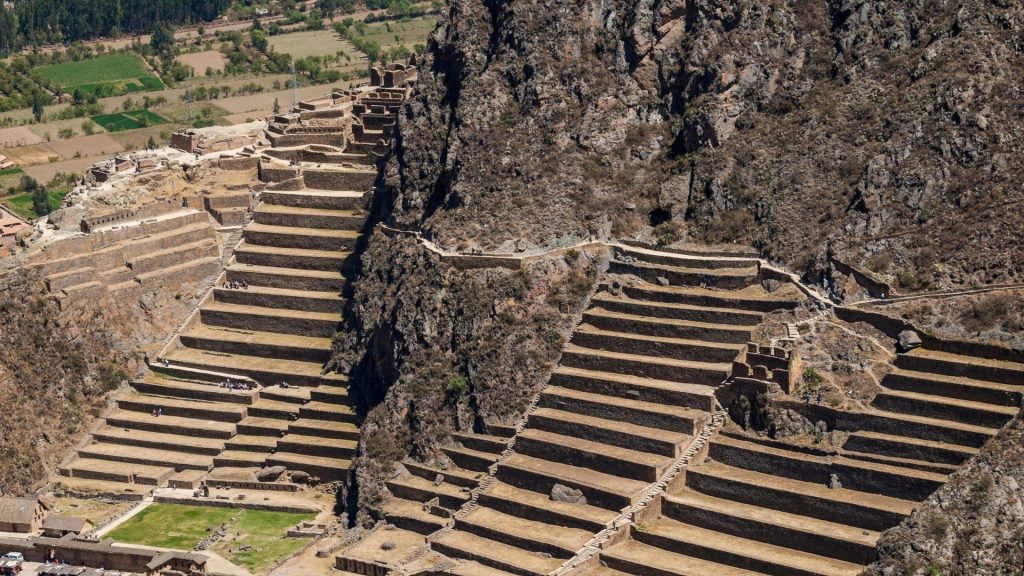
(635,385)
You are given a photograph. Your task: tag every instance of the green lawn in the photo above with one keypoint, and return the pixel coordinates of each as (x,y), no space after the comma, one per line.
(120,121)
(265,533)
(21,204)
(126,71)
(182,527)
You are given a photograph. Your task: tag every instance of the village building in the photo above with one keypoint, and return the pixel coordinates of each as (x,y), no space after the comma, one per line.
(57,526)
(10,226)
(22,515)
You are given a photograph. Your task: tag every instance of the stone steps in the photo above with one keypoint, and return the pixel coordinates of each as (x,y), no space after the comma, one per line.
(696,396)
(972,367)
(327,411)
(708,374)
(904,447)
(267,371)
(296,237)
(587,336)
(159,441)
(966,411)
(410,515)
(470,459)
(330,280)
(418,489)
(722,278)
(528,535)
(739,552)
(775,527)
(281,298)
(326,468)
(170,425)
(325,429)
(458,477)
(593,455)
(327,393)
(192,409)
(317,446)
(247,443)
(921,427)
(265,344)
(855,475)
(685,260)
(274,409)
(461,544)
(706,314)
(666,327)
(156,385)
(954,387)
(150,457)
(600,489)
(260,319)
(240,459)
(638,412)
(120,472)
(309,198)
(259,426)
(639,559)
(290,395)
(298,258)
(175,256)
(481,442)
(754,298)
(872,512)
(621,434)
(299,216)
(541,508)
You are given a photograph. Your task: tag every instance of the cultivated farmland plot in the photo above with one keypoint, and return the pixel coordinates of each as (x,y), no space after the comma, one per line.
(128,120)
(126,71)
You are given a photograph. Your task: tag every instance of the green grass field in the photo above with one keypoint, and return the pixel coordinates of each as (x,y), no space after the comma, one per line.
(181,527)
(21,204)
(120,121)
(125,71)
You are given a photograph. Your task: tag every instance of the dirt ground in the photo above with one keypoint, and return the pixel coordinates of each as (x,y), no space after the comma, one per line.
(29,155)
(95,145)
(93,510)
(46,172)
(200,61)
(18,136)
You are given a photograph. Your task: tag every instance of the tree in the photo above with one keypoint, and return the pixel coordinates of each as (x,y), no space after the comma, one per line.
(77,98)
(37,106)
(88,128)
(162,40)
(151,144)
(277,106)
(41,201)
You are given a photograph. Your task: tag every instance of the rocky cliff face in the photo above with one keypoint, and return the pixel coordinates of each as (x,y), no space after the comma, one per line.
(887,134)
(432,349)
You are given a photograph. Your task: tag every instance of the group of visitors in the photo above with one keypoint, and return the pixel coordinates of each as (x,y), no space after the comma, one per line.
(157,412)
(231,385)
(239,285)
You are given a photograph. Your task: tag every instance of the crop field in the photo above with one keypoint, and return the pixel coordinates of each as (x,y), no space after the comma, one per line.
(200,61)
(393,33)
(22,203)
(125,71)
(128,120)
(312,43)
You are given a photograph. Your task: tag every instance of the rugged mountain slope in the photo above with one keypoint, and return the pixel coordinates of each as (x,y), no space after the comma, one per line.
(887,134)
